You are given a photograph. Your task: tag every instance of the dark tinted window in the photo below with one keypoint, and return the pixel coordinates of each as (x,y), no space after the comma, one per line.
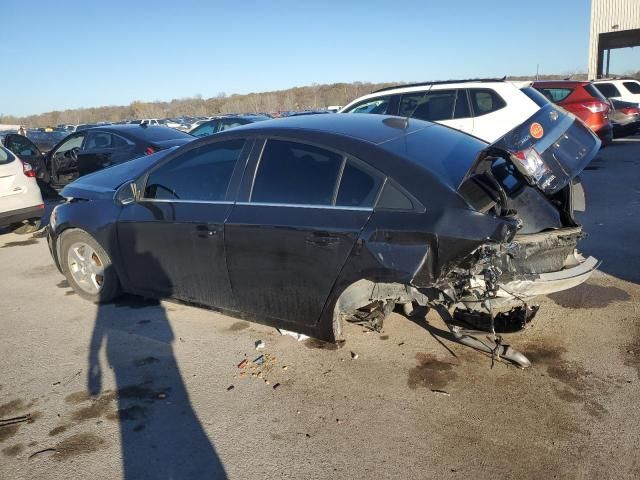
(393,199)
(608,89)
(200,174)
(21,146)
(633,87)
(432,106)
(378,105)
(158,134)
(462,105)
(295,173)
(103,140)
(485,100)
(535,95)
(358,187)
(556,94)
(594,92)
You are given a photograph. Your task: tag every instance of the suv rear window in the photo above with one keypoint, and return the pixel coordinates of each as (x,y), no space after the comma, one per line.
(608,89)
(485,100)
(556,94)
(633,87)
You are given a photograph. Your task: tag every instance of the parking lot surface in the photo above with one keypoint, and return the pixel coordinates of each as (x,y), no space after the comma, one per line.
(153,390)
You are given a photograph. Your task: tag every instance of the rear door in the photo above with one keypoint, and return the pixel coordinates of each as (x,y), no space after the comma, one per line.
(301,216)
(103,149)
(173,237)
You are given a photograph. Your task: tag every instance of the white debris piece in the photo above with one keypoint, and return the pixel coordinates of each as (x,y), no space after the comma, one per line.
(259,345)
(298,336)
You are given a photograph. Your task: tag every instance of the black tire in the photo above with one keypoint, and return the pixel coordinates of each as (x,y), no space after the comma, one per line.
(109,288)
(30,226)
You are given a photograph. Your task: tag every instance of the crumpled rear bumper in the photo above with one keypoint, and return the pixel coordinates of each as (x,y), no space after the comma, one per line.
(531,285)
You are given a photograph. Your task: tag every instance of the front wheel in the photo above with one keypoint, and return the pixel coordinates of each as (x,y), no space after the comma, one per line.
(87,267)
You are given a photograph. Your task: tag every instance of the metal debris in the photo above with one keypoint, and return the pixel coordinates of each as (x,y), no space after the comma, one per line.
(259,360)
(5,422)
(441,392)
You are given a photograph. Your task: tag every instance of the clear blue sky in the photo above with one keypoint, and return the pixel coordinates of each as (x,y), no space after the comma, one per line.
(67,54)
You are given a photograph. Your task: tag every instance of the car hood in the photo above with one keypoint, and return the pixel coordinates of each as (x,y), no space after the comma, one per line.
(103,183)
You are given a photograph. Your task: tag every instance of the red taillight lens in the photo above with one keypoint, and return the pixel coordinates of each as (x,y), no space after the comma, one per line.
(28,170)
(149,151)
(532,163)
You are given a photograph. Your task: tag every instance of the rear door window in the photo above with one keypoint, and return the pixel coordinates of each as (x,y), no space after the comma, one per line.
(485,100)
(99,141)
(431,106)
(378,105)
(200,174)
(359,186)
(205,129)
(5,156)
(633,87)
(295,173)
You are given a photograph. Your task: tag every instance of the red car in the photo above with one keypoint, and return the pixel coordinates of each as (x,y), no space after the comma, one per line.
(584,101)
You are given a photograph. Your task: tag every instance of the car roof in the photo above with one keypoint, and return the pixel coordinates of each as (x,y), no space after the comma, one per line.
(560,83)
(375,129)
(441,82)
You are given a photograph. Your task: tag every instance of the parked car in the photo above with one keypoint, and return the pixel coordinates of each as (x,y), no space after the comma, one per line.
(99,147)
(225,123)
(583,100)
(486,109)
(625,118)
(627,90)
(29,153)
(150,122)
(300,222)
(21,205)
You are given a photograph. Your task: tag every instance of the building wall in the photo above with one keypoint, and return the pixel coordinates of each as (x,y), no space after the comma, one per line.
(604,15)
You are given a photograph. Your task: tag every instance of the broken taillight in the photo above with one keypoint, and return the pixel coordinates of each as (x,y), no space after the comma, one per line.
(532,163)
(28,170)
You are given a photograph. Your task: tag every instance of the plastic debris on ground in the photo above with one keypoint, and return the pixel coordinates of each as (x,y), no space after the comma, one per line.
(298,336)
(259,345)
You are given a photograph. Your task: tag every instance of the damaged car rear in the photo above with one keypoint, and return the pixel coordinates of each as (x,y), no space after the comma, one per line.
(307,222)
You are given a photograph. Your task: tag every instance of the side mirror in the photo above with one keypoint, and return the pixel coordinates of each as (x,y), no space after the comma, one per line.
(126,194)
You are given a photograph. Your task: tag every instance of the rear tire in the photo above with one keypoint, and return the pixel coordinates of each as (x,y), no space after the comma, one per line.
(30,226)
(88,267)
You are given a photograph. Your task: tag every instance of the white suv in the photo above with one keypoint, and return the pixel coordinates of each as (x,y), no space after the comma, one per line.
(627,89)
(486,109)
(21,204)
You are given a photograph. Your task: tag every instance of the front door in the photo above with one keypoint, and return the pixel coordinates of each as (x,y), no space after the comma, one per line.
(172,239)
(287,244)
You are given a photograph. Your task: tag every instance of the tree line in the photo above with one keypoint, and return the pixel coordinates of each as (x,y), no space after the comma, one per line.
(314,96)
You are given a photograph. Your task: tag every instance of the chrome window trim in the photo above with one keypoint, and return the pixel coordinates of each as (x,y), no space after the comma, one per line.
(162,200)
(302,205)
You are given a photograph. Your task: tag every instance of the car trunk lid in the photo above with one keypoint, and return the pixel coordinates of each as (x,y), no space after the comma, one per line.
(550,149)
